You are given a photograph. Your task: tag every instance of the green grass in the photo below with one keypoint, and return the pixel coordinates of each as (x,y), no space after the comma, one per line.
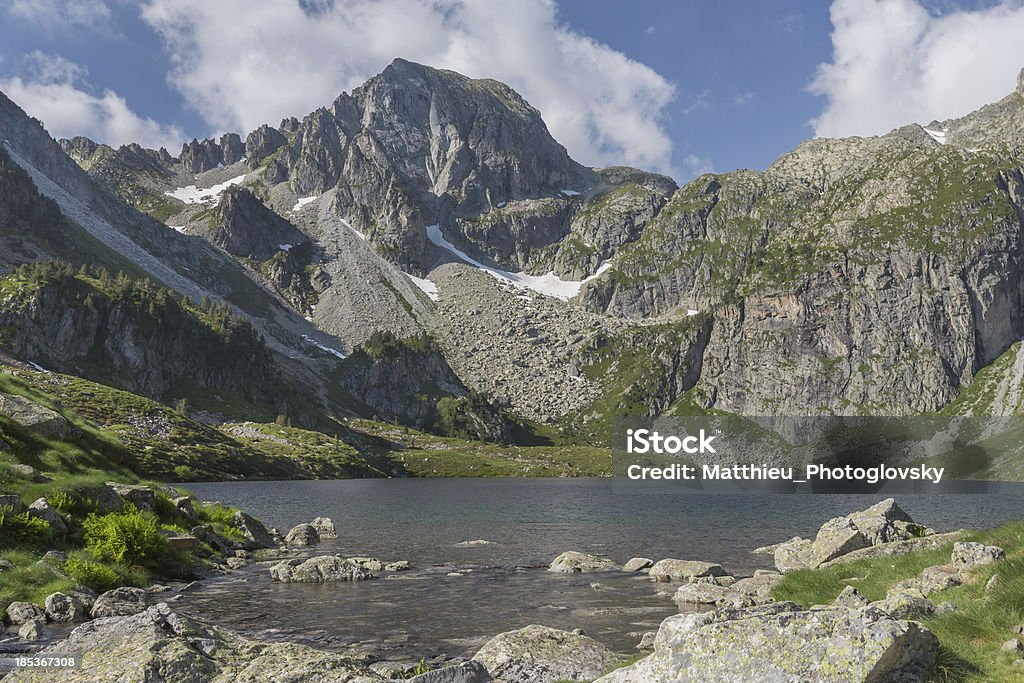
(28,581)
(970,637)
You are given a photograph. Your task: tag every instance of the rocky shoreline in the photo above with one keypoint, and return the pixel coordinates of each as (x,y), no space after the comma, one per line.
(729,627)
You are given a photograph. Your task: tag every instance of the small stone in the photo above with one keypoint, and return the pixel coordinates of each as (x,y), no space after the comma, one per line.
(32,630)
(573,562)
(992,582)
(1013,645)
(647,641)
(6,565)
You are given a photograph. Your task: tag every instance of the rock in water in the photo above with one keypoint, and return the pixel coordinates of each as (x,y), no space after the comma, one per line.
(538,654)
(466,672)
(61,607)
(685,570)
(318,570)
(303,535)
(23,612)
(324,527)
(162,645)
(637,564)
(781,642)
(573,562)
(119,602)
(254,531)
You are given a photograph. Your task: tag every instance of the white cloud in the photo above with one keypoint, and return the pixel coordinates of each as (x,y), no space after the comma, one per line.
(895,63)
(62,15)
(54,90)
(241,63)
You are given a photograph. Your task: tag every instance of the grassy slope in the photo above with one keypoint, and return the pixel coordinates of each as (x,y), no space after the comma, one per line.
(970,638)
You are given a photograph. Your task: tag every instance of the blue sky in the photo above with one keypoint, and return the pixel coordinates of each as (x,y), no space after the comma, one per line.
(681,86)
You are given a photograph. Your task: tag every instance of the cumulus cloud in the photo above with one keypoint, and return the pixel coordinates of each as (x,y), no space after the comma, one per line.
(62,15)
(55,91)
(895,63)
(241,63)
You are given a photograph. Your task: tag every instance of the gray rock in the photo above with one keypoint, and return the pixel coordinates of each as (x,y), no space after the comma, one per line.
(1012,645)
(65,608)
(183,504)
(572,562)
(701,594)
(302,535)
(792,555)
(647,641)
(142,497)
(684,570)
(903,603)
(32,629)
(120,602)
(836,537)
(318,570)
(160,644)
(466,672)
(897,548)
(399,566)
(969,555)
(107,500)
(235,562)
(42,509)
(6,565)
(254,531)
(992,583)
(780,642)
(851,598)
(538,654)
(34,417)
(13,502)
(370,564)
(937,578)
(884,522)
(324,527)
(759,586)
(221,544)
(638,564)
(21,612)
(55,557)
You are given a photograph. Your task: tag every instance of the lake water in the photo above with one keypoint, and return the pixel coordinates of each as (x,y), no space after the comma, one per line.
(456,597)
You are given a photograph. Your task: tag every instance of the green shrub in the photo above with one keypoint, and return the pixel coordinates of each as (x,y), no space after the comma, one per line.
(130,537)
(22,529)
(184,473)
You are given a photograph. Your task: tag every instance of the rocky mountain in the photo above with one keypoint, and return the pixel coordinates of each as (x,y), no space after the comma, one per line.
(863,275)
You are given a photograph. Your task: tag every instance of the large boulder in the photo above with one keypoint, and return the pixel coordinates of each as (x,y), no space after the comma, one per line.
(685,570)
(318,570)
(905,603)
(162,645)
(120,602)
(302,535)
(65,608)
(782,642)
(466,672)
(206,534)
(324,527)
(968,556)
(573,562)
(42,509)
(792,555)
(255,533)
(34,417)
(142,497)
(836,537)
(22,612)
(538,654)
(884,522)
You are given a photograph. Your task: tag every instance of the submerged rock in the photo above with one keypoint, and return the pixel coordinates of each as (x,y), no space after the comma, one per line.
(781,642)
(538,654)
(573,562)
(162,645)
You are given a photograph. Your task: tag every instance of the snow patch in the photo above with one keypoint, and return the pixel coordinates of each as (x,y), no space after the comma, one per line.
(303,201)
(179,228)
(692,311)
(428,287)
(349,226)
(328,349)
(37,367)
(570,193)
(549,285)
(285,247)
(938,135)
(193,195)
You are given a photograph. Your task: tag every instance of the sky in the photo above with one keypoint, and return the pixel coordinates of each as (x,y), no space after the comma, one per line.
(677,86)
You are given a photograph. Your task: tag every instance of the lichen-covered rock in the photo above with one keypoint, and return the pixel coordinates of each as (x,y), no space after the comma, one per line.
(851,597)
(758,587)
(21,612)
(466,672)
(684,570)
(142,497)
(701,594)
(781,642)
(905,603)
(538,654)
(324,527)
(638,564)
(65,608)
(34,417)
(792,555)
(969,555)
(254,531)
(32,629)
(370,564)
(884,522)
(302,535)
(836,537)
(318,570)
(120,602)
(162,645)
(573,562)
